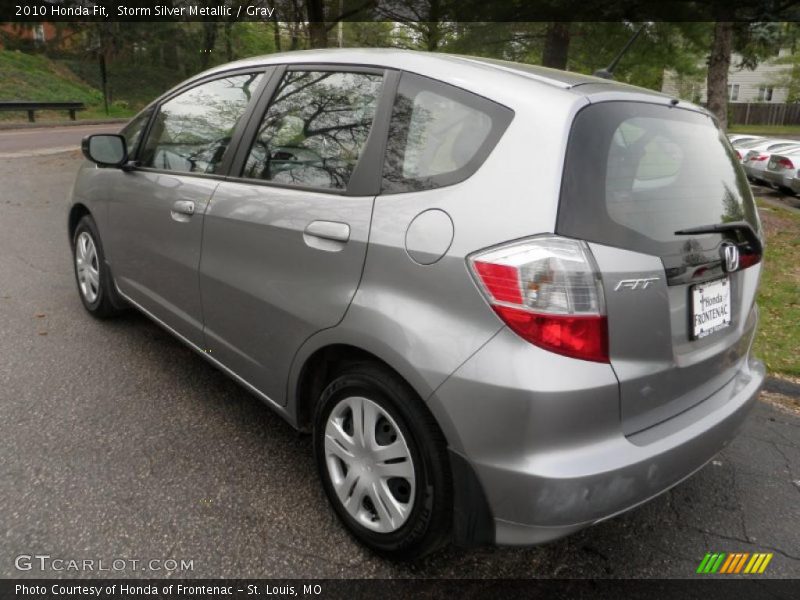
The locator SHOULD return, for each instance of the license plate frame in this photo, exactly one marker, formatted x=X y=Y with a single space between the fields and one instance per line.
x=711 y=308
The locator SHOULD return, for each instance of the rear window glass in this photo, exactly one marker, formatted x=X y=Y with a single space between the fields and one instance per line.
x=636 y=173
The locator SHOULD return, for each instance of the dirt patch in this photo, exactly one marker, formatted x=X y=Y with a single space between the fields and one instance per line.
x=784 y=403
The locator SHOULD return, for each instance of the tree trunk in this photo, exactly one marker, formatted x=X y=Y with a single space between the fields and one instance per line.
x=317 y=32
x=718 y=65
x=209 y=41
x=431 y=35
x=556 y=45
x=229 y=40
x=433 y=29
x=295 y=25
x=276 y=33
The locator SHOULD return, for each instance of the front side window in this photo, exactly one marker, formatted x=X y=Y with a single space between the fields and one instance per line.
x=315 y=129
x=191 y=131
x=438 y=135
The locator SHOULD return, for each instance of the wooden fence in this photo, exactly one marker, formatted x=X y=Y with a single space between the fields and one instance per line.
x=763 y=113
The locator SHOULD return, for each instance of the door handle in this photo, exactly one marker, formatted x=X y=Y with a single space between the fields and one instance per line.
x=183 y=207
x=328 y=230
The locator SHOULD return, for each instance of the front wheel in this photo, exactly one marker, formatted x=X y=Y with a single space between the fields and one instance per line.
x=383 y=463
x=91 y=272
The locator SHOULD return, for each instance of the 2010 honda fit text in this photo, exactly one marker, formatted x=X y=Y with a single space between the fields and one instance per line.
x=508 y=302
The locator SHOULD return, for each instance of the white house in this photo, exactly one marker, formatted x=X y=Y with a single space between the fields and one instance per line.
x=763 y=84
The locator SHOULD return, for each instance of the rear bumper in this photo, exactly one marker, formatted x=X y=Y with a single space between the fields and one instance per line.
x=553 y=461
x=779 y=179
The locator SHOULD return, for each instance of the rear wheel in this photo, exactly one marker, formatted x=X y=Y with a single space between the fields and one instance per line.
x=91 y=272
x=383 y=463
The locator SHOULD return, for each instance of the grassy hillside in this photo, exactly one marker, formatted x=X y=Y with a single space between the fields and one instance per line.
x=35 y=77
x=130 y=85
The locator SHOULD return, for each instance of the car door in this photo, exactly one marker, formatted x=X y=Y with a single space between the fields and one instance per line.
x=155 y=213
x=284 y=243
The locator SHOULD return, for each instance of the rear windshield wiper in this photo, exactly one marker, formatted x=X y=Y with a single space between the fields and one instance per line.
x=742 y=227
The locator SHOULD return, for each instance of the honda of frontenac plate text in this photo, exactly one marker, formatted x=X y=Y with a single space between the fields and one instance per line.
x=508 y=302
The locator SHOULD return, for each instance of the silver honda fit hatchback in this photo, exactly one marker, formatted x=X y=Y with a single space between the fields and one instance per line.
x=508 y=302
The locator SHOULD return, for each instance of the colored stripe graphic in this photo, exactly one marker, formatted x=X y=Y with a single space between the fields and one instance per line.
x=730 y=564
x=703 y=563
x=767 y=558
x=734 y=563
x=727 y=564
x=740 y=564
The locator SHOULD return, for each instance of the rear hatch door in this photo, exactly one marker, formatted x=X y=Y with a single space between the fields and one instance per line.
x=680 y=317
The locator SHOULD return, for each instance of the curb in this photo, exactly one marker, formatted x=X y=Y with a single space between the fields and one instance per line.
x=38 y=152
x=782 y=386
x=779 y=204
x=46 y=124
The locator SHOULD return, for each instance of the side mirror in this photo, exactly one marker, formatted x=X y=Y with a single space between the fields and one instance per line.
x=105 y=149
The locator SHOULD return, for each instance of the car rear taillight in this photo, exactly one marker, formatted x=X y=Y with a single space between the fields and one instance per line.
x=785 y=163
x=738 y=155
x=748 y=260
x=548 y=291
x=760 y=157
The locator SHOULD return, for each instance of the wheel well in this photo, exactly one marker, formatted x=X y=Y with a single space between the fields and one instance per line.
x=76 y=213
x=319 y=370
x=473 y=523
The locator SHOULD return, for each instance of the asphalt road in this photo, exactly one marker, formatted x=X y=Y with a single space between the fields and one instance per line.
x=48 y=140
x=116 y=442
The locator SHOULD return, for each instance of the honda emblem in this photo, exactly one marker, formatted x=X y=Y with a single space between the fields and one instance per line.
x=730 y=257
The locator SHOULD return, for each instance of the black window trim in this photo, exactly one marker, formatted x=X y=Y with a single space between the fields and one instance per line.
x=365 y=179
x=265 y=70
x=500 y=115
x=148 y=111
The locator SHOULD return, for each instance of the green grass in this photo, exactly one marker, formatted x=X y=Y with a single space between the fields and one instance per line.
x=778 y=341
x=768 y=130
x=35 y=77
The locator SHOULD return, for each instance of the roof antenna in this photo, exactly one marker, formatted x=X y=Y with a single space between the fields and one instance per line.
x=608 y=72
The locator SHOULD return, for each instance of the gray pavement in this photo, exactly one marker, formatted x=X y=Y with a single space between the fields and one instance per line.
x=48 y=140
x=116 y=442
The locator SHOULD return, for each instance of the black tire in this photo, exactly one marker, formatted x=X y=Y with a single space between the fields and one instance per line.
x=428 y=525
x=106 y=303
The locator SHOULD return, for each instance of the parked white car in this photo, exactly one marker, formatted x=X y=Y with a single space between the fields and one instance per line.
x=783 y=171
x=755 y=160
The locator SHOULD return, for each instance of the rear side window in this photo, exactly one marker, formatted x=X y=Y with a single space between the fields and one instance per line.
x=636 y=173
x=438 y=135
x=315 y=128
